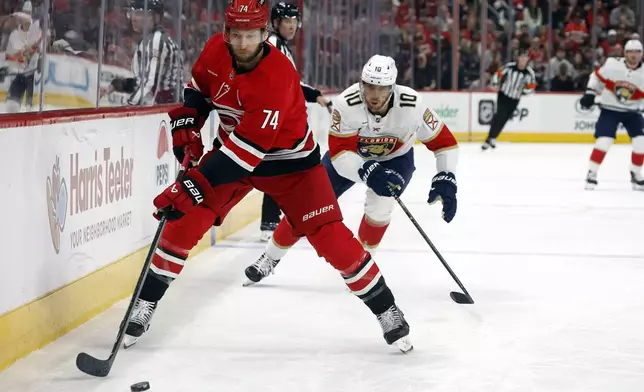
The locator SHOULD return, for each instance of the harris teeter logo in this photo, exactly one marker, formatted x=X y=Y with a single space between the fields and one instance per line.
x=90 y=185
x=57 y=197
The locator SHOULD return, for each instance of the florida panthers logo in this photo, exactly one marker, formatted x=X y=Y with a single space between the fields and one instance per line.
x=229 y=117
x=373 y=147
x=624 y=91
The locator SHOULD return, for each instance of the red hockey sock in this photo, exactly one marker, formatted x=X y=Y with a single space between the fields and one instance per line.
x=637 y=159
x=597 y=156
x=371 y=233
x=284 y=235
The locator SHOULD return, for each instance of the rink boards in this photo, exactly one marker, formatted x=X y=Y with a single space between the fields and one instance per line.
x=78 y=216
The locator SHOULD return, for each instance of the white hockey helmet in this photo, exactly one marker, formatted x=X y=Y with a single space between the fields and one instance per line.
x=633 y=45
x=380 y=71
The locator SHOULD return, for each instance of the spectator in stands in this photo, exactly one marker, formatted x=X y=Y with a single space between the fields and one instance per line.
x=554 y=65
x=562 y=80
x=532 y=17
x=622 y=15
x=583 y=67
x=576 y=31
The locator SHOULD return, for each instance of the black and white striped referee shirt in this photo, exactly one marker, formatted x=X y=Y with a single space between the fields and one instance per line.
x=515 y=82
x=158 y=66
x=311 y=94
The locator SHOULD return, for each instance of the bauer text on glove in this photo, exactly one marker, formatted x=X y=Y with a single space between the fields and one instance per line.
x=185 y=194
x=381 y=180
x=185 y=125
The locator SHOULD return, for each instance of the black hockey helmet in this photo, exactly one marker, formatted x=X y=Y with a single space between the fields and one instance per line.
x=155 y=6
x=285 y=10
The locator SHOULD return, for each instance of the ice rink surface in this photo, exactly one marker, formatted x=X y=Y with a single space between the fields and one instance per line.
x=557 y=274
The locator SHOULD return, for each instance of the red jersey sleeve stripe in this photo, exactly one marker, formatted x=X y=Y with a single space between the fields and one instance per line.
x=247 y=145
x=240 y=155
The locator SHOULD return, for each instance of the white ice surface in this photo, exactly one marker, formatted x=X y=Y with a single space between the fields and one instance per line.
x=557 y=274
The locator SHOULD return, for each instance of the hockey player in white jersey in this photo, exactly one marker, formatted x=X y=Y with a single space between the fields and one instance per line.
x=619 y=87
x=374 y=126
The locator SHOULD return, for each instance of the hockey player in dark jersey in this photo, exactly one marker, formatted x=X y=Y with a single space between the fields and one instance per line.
x=285 y=20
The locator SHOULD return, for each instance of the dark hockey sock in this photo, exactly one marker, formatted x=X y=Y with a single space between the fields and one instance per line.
x=368 y=284
x=154 y=287
x=270 y=210
x=380 y=298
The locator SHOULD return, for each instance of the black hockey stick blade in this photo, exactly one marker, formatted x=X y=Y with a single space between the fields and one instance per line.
x=93 y=366
x=461 y=298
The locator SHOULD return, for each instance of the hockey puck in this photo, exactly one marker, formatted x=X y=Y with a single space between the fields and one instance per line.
x=140 y=386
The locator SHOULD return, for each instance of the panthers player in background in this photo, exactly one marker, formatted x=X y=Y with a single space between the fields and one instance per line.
x=619 y=83
x=285 y=21
x=374 y=126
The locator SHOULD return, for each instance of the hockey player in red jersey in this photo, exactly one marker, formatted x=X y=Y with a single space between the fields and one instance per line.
x=263 y=142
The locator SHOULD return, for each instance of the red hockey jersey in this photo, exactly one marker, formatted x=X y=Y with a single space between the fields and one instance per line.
x=262 y=111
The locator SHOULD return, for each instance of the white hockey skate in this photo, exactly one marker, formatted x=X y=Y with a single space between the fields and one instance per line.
x=395 y=329
x=591 y=180
x=140 y=321
x=637 y=181
x=260 y=269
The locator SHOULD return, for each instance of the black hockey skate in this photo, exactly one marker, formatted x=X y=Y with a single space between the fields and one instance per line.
x=140 y=321
x=591 y=180
x=267 y=229
x=637 y=181
x=395 y=328
x=489 y=144
x=260 y=269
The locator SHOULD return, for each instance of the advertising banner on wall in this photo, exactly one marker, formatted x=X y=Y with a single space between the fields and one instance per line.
x=79 y=196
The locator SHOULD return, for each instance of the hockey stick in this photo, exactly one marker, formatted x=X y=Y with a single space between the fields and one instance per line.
x=459 y=298
x=99 y=367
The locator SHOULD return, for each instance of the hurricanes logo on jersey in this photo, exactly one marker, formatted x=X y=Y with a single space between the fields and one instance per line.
x=372 y=147
x=624 y=91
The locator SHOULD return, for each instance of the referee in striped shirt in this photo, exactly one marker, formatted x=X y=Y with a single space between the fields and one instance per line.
x=512 y=81
x=157 y=63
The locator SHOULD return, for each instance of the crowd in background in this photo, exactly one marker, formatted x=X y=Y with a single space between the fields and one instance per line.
x=340 y=35
x=583 y=34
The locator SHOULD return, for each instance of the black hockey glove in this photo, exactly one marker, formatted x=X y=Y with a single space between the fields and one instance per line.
x=444 y=189
x=381 y=179
x=587 y=101
x=124 y=85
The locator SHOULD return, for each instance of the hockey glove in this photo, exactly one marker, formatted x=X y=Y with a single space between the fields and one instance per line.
x=185 y=125
x=381 y=179
x=444 y=189
x=587 y=101
x=189 y=191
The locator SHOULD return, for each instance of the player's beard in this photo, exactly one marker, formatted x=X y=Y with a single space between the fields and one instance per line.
x=246 y=61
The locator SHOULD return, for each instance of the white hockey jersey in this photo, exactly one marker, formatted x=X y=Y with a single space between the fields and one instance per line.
x=357 y=135
x=617 y=86
x=23 y=49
